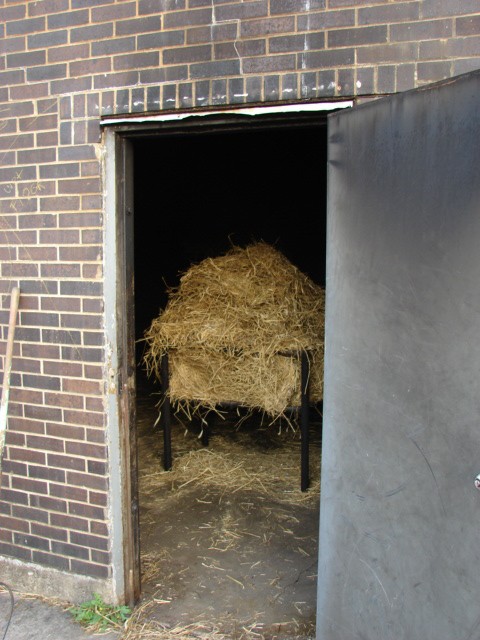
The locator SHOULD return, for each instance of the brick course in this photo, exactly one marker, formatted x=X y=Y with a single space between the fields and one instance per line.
x=63 y=65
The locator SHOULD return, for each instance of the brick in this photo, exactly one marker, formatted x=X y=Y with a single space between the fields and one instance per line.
x=89 y=569
x=12 y=13
x=85 y=418
x=84 y=185
x=282 y=44
x=405 y=76
x=326 y=20
x=86 y=510
x=40 y=382
x=81 y=288
x=68 y=19
x=63 y=203
x=387 y=53
x=245 y=48
x=37 y=221
x=32 y=542
x=137 y=26
x=98 y=499
x=61 y=430
x=61 y=304
x=82 y=386
x=76 y=478
x=115 y=12
x=59 y=236
x=13 y=173
x=465 y=66
x=47 y=40
x=216 y=69
x=95 y=32
x=193 y=17
x=90 y=67
x=13 y=467
x=101 y=557
x=69 y=522
x=31 y=366
x=267 y=26
x=44 y=443
x=81 y=321
x=468 y=26
x=92 y=306
x=16 y=552
x=434 y=8
x=48 y=72
x=156 y=6
x=244 y=10
x=433 y=71
x=69 y=493
x=66 y=462
x=36 y=412
x=60 y=336
x=72 y=85
x=45 y=531
x=295 y=6
x=27 y=455
x=44 y=7
x=121 y=79
x=90 y=3
x=27 y=484
x=160 y=39
x=12 y=77
x=386 y=14
x=89 y=541
x=14 y=524
x=40 y=351
x=187 y=54
x=24 y=27
x=116 y=45
x=16 y=498
x=212 y=33
x=39 y=319
x=37 y=155
x=421 y=30
x=26 y=59
x=358 y=36
x=17 y=142
x=48 y=503
x=386 y=79
x=67 y=401
x=47 y=139
x=70 y=550
x=50 y=560
x=46 y=473
x=67 y=53
x=269 y=63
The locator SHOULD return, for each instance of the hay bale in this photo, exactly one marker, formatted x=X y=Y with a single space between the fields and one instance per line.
x=232 y=329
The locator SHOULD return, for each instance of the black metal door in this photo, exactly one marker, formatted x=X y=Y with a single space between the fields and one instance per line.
x=399 y=553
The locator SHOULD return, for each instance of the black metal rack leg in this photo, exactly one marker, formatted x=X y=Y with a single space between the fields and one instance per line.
x=304 y=423
x=166 y=416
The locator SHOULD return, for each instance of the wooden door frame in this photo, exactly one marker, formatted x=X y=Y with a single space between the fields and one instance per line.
x=119 y=302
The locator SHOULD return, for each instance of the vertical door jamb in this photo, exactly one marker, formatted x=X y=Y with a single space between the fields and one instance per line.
x=126 y=368
x=120 y=367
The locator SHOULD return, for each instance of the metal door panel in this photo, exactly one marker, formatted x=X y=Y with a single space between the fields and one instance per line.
x=399 y=549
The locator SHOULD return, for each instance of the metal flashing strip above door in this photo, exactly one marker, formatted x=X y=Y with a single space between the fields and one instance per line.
x=266 y=110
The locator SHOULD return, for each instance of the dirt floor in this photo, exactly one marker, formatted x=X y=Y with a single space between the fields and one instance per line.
x=228 y=540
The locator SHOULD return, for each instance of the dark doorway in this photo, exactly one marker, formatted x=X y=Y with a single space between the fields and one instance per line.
x=197 y=193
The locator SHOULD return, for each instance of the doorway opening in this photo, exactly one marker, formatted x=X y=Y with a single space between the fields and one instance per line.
x=227 y=556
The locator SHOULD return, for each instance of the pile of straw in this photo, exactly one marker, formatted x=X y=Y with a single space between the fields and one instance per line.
x=234 y=329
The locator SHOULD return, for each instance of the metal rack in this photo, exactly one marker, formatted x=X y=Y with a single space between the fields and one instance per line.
x=303 y=409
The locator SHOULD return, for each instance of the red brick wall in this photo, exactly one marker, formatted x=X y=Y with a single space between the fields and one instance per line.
x=63 y=64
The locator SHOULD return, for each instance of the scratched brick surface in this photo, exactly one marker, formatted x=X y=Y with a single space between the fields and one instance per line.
x=63 y=65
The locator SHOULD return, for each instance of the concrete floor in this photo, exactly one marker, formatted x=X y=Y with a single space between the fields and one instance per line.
x=243 y=561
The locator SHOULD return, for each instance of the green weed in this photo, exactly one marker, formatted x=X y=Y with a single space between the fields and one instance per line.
x=98 y=616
